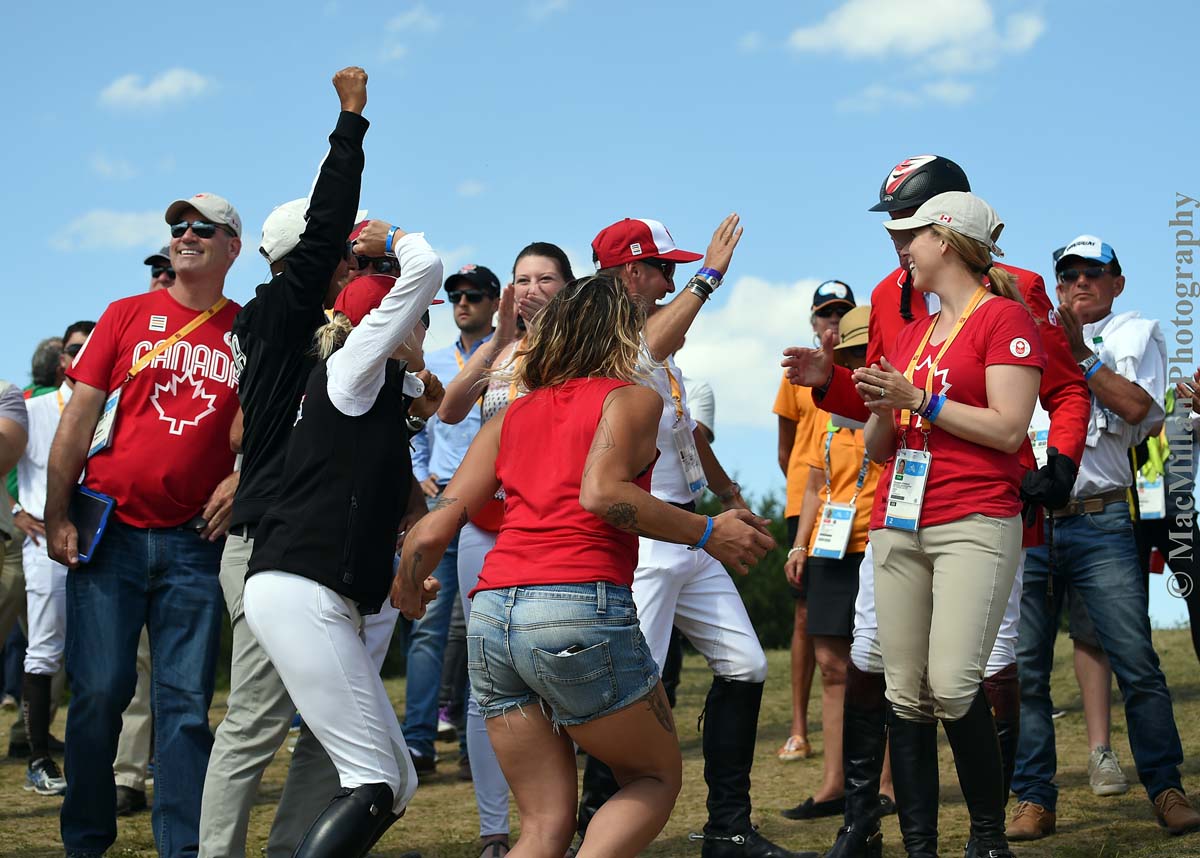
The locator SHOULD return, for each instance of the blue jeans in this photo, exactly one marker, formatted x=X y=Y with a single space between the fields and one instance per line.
x=1096 y=554
x=167 y=581
x=426 y=649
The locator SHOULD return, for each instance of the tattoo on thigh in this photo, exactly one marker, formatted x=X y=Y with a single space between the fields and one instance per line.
x=661 y=710
x=622 y=516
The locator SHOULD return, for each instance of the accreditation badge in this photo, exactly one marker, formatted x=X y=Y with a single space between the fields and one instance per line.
x=1152 y=498
x=907 y=490
x=685 y=443
x=1040 y=439
x=833 y=531
x=102 y=437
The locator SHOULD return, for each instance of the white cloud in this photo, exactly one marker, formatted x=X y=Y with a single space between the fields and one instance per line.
x=173 y=85
x=418 y=19
x=883 y=97
x=106 y=168
x=102 y=229
x=539 y=10
x=395 y=52
x=750 y=43
x=737 y=347
x=470 y=188
x=947 y=36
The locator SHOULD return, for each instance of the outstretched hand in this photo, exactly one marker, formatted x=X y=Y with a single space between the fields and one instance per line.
x=810 y=367
x=724 y=240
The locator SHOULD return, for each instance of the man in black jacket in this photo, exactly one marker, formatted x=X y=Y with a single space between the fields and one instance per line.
x=305 y=243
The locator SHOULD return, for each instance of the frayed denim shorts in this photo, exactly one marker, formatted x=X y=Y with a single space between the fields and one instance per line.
x=576 y=647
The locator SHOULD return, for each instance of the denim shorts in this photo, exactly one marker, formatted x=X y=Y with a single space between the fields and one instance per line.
x=577 y=647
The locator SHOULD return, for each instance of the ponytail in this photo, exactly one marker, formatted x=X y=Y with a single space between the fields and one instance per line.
x=332 y=335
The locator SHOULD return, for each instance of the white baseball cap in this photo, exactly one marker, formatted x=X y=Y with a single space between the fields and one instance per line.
x=959 y=211
x=283 y=227
x=216 y=209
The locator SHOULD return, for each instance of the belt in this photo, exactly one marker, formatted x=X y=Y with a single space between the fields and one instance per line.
x=1096 y=503
x=690 y=506
x=246 y=531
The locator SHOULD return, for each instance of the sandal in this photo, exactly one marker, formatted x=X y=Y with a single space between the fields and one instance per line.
x=795 y=748
x=495 y=848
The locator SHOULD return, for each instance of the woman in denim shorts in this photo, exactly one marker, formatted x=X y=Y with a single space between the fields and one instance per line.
x=554 y=650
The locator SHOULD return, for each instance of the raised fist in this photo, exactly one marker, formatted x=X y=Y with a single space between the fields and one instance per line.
x=351 y=86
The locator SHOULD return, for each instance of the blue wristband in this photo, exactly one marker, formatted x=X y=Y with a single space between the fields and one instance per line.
x=387 y=248
x=1095 y=368
x=711 y=272
x=936 y=408
x=703 y=539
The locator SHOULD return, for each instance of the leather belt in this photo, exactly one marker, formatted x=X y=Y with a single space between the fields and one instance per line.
x=690 y=506
x=246 y=531
x=1093 y=504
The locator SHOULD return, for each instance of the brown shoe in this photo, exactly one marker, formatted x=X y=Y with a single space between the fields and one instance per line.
x=1175 y=813
x=1030 y=822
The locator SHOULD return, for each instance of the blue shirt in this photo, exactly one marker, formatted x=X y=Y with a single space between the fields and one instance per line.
x=439 y=448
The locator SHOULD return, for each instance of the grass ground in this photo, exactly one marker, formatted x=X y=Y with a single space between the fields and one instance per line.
x=441 y=820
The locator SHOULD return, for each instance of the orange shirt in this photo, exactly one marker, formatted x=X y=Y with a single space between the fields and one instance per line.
x=795 y=403
x=846 y=457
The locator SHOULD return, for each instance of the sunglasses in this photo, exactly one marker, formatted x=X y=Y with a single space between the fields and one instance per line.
x=830 y=312
x=159 y=270
x=1092 y=272
x=73 y=349
x=666 y=266
x=473 y=296
x=201 y=228
x=382 y=264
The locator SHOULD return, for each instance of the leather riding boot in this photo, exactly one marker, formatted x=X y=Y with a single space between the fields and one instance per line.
x=915 y=774
x=864 y=742
x=981 y=776
x=350 y=824
x=1003 y=691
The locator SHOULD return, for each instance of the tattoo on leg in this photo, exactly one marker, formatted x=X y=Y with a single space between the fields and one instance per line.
x=661 y=710
x=622 y=516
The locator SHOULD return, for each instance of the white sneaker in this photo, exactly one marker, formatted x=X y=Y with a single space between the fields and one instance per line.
x=44 y=778
x=1104 y=772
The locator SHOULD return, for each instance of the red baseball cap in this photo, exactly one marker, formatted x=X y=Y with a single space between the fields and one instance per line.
x=635 y=239
x=364 y=294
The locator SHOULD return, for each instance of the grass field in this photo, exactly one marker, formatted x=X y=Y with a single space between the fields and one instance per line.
x=441 y=820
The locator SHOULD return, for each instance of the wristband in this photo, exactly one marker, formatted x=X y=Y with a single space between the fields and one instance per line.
x=703 y=539
x=935 y=407
x=699 y=288
x=1092 y=370
x=798 y=548
x=711 y=273
x=924 y=400
x=391 y=236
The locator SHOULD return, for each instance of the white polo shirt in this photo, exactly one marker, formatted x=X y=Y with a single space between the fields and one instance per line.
x=44 y=413
x=668 y=482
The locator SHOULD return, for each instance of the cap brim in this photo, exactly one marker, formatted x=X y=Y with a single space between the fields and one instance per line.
x=894 y=205
x=436 y=301
x=826 y=303
x=454 y=279
x=149 y=260
x=678 y=255
x=174 y=210
x=861 y=343
x=905 y=224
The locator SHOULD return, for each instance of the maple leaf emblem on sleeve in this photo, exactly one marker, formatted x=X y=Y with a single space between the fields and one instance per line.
x=182 y=402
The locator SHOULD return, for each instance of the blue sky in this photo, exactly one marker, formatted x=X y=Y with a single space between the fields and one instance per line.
x=495 y=124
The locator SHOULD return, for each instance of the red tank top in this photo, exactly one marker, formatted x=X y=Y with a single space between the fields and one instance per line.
x=547 y=537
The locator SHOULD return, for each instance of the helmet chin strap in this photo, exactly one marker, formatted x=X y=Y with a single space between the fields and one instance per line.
x=906 y=297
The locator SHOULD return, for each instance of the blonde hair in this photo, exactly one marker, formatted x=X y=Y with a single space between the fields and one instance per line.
x=978 y=258
x=331 y=336
x=590 y=328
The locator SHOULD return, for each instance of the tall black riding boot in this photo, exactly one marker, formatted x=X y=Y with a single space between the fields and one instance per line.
x=599 y=785
x=731 y=724
x=915 y=774
x=981 y=776
x=864 y=742
x=1003 y=691
x=350 y=825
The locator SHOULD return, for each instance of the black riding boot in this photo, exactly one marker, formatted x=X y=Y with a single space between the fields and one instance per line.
x=915 y=774
x=981 y=776
x=599 y=785
x=731 y=723
x=1003 y=692
x=864 y=742
x=350 y=825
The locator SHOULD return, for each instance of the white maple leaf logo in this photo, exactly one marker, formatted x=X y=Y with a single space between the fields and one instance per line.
x=941 y=373
x=187 y=399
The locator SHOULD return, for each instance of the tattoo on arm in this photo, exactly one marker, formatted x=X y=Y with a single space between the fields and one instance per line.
x=601 y=444
x=442 y=503
x=622 y=516
x=414 y=570
x=662 y=711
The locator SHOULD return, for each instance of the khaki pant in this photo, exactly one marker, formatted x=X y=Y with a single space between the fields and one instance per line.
x=940 y=595
x=137 y=727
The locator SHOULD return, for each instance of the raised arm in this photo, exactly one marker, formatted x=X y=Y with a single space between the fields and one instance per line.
x=464 y=390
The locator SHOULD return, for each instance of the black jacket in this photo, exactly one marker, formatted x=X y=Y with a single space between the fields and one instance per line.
x=273 y=333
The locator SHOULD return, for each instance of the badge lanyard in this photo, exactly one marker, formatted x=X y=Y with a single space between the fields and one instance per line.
x=61 y=404
x=910 y=469
x=685 y=441
x=837 y=519
x=462 y=365
x=103 y=435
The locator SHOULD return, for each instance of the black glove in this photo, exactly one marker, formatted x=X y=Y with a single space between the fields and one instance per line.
x=1049 y=486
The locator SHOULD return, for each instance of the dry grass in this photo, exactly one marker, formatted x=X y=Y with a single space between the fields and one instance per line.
x=441 y=820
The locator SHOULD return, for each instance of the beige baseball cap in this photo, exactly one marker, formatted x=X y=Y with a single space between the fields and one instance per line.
x=284 y=226
x=216 y=209
x=959 y=211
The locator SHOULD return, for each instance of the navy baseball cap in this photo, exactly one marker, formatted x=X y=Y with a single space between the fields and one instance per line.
x=831 y=293
x=475 y=275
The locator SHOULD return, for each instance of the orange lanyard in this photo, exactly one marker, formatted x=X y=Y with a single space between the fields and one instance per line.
x=61 y=404
x=461 y=365
x=906 y=415
x=676 y=394
x=149 y=356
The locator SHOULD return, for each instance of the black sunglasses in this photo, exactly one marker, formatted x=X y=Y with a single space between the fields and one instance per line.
x=73 y=349
x=201 y=228
x=159 y=270
x=666 y=266
x=1092 y=272
x=472 y=295
x=830 y=312
x=382 y=264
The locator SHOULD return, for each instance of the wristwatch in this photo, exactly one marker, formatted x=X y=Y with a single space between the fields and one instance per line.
x=17 y=508
x=729 y=494
x=415 y=424
x=1088 y=362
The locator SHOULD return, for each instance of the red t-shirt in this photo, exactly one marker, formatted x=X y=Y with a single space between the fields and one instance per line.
x=547 y=537
x=170 y=446
x=964 y=477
